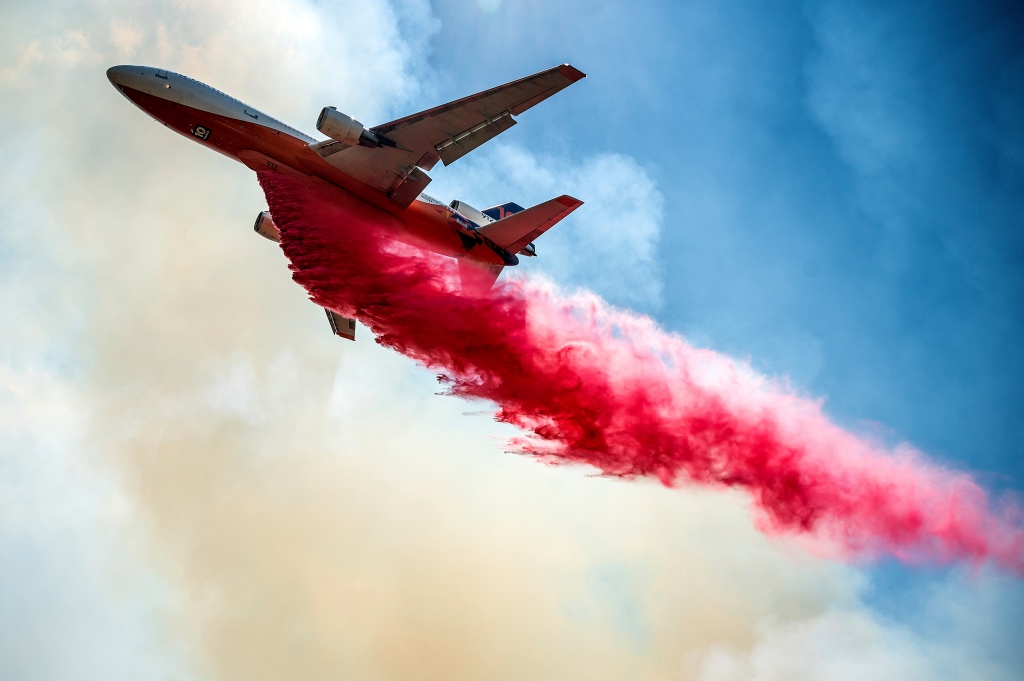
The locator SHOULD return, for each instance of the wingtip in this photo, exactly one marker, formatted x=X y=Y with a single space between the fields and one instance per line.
x=569 y=201
x=571 y=72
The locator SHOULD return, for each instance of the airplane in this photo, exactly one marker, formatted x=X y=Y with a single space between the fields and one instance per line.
x=383 y=166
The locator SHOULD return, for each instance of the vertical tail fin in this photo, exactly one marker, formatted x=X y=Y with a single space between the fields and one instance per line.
x=503 y=211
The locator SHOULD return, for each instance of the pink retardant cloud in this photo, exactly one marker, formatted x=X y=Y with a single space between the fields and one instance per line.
x=593 y=385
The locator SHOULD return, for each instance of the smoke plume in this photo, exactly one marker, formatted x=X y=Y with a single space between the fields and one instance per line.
x=592 y=385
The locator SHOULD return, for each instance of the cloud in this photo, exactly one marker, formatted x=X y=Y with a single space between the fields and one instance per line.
x=76 y=600
x=838 y=646
x=609 y=245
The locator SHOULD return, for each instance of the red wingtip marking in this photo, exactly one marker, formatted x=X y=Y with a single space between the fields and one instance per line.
x=571 y=72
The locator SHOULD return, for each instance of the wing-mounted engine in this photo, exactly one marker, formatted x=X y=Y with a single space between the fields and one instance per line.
x=266 y=228
x=345 y=132
x=340 y=326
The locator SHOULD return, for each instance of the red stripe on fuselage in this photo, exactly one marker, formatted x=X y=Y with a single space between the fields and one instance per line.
x=424 y=225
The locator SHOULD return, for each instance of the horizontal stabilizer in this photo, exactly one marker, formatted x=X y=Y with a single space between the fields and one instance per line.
x=514 y=232
x=341 y=326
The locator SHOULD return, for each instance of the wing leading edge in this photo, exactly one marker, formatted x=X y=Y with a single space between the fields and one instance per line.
x=445 y=133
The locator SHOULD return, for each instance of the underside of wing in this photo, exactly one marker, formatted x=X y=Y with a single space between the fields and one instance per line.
x=341 y=326
x=451 y=130
x=444 y=133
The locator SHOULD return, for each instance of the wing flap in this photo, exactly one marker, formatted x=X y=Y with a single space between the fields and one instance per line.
x=514 y=232
x=463 y=143
x=407 y=189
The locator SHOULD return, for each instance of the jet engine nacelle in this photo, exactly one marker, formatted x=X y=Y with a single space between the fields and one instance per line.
x=266 y=228
x=340 y=127
x=348 y=131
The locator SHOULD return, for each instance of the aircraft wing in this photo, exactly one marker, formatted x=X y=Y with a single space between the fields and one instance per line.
x=341 y=326
x=445 y=133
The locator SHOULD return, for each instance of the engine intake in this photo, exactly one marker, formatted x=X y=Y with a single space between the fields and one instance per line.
x=266 y=228
x=347 y=130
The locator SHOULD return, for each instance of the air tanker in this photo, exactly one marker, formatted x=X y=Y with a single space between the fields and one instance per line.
x=384 y=166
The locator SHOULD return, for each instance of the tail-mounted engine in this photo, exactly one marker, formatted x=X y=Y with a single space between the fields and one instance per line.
x=348 y=131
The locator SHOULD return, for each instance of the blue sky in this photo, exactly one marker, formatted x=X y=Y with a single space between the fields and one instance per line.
x=842 y=185
x=832 y=191
x=843 y=190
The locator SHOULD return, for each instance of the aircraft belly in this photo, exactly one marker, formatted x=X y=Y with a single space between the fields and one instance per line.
x=425 y=227
x=220 y=133
x=256 y=146
x=483 y=255
x=230 y=136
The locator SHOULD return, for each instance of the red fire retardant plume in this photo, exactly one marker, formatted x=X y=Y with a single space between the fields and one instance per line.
x=593 y=385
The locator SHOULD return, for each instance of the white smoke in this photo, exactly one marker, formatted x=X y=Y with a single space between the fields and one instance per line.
x=196 y=479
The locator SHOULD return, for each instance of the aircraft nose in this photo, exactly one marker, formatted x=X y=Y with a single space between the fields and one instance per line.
x=130 y=77
x=116 y=74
